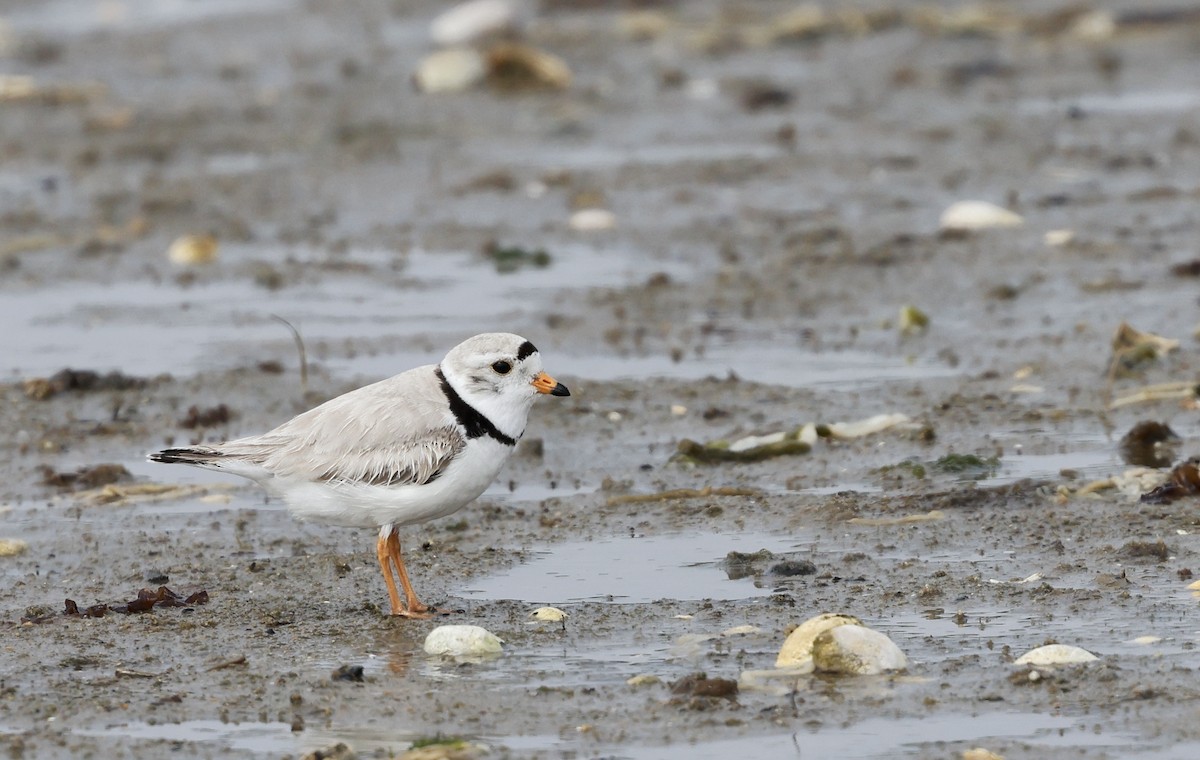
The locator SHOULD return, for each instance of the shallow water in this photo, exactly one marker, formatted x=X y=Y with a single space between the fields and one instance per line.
x=634 y=570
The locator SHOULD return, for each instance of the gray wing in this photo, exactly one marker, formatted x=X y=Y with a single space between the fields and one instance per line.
x=398 y=431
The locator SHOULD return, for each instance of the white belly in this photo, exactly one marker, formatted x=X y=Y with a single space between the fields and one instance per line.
x=366 y=506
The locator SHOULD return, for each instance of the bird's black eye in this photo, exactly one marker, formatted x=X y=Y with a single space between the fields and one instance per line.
x=502 y=367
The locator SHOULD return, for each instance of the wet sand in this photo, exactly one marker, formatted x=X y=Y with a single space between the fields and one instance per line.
x=776 y=205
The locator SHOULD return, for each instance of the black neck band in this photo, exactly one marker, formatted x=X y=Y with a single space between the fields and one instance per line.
x=469 y=417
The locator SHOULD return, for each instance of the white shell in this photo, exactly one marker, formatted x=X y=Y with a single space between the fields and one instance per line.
x=592 y=220
x=462 y=641
x=797 y=648
x=471 y=20
x=965 y=216
x=1056 y=654
x=450 y=70
x=855 y=650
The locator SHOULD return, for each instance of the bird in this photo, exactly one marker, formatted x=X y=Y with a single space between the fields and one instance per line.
x=414 y=447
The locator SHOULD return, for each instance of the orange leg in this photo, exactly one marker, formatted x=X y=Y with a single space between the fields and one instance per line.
x=415 y=608
x=381 y=551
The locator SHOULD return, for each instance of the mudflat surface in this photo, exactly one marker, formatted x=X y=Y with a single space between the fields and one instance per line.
x=776 y=203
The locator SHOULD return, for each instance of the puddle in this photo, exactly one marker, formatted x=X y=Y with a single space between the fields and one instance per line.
x=633 y=570
x=887 y=738
x=83 y=16
x=763 y=362
x=1091 y=464
x=1024 y=632
x=259 y=738
x=1137 y=101
x=872 y=738
x=146 y=328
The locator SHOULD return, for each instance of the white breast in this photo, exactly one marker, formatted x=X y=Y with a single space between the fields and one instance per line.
x=368 y=506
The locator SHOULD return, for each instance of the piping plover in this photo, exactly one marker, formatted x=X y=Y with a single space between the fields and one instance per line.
x=417 y=446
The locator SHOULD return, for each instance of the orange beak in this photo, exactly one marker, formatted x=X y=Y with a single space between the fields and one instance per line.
x=546 y=384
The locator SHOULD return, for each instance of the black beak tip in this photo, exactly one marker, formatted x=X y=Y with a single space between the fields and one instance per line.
x=560 y=390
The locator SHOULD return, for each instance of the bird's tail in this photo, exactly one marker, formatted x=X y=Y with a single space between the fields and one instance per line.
x=196 y=456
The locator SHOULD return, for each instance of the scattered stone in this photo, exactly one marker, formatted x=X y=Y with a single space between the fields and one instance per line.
x=549 y=615
x=1145 y=641
x=205 y=418
x=855 y=650
x=513 y=66
x=1133 y=348
x=450 y=70
x=972 y=216
x=1059 y=238
x=592 y=220
x=1184 y=480
x=12 y=547
x=1055 y=654
x=700 y=685
x=462 y=641
x=339 y=751
x=510 y=258
x=80 y=381
x=791 y=568
x=94 y=476
x=193 y=250
x=1155 y=550
x=797 y=648
x=1149 y=444
x=979 y=753
x=352 y=673
x=644 y=679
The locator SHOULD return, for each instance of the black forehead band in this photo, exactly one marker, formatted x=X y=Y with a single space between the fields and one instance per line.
x=526 y=350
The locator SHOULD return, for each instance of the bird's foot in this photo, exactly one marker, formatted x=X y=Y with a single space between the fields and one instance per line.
x=423 y=612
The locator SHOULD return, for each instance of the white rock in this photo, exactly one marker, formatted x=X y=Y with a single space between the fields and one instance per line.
x=462 y=641
x=644 y=679
x=11 y=547
x=966 y=216
x=1056 y=654
x=548 y=615
x=1058 y=238
x=471 y=20
x=678 y=410
x=592 y=220
x=741 y=630
x=193 y=250
x=855 y=650
x=1145 y=641
x=1094 y=26
x=979 y=753
x=450 y=70
x=797 y=648
x=876 y=424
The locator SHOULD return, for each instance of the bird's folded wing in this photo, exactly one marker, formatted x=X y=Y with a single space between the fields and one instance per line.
x=395 y=432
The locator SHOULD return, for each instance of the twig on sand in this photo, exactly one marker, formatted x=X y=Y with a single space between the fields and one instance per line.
x=299 y=349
